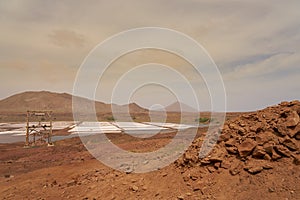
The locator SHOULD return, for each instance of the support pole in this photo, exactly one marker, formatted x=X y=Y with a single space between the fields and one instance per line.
x=34 y=138
x=27 y=130
x=50 y=132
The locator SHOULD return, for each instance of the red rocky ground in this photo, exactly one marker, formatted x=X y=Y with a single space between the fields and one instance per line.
x=256 y=157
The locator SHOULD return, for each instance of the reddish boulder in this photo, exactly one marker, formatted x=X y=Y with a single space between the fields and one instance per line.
x=246 y=147
x=259 y=152
x=292 y=119
x=290 y=143
x=294 y=131
x=282 y=150
x=265 y=137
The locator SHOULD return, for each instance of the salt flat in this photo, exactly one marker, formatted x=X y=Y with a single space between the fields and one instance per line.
x=147 y=129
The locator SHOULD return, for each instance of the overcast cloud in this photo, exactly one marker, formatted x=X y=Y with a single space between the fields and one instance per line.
x=255 y=44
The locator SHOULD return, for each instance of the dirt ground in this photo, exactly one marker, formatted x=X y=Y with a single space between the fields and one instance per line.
x=68 y=171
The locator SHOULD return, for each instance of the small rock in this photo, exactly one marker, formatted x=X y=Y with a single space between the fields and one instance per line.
x=186 y=178
x=294 y=131
x=241 y=131
x=294 y=102
x=225 y=164
x=53 y=183
x=265 y=137
x=71 y=183
x=255 y=170
x=205 y=161
x=284 y=103
x=217 y=165
x=296 y=160
x=282 y=129
x=146 y=162
x=282 y=150
x=258 y=152
x=180 y=197
x=297 y=136
x=271 y=189
x=242 y=124
x=256 y=128
x=292 y=119
x=211 y=169
x=144 y=188
x=231 y=142
x=194 y=178
x=128 y=170
x=267 y=157
x=267 y=166
x=232 y=150
x=215 y=159
x=275 y=156
x=189 y=157
x=246 y=147
x=234 y=170
x=164 y=174
x=224 y=136
x=233 y=126
x=134 y=188
x=7 y=176
x=268 y=147
x=290 y=143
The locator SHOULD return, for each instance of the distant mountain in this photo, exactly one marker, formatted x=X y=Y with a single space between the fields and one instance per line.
x=57 y=102
x=178 y=107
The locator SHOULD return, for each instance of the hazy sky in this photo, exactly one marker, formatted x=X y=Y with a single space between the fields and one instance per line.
x=255 y=44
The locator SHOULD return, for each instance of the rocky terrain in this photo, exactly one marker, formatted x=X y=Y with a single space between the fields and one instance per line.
x=255 y=157
x=251 y=141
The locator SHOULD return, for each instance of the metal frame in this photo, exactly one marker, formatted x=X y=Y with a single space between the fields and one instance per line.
x=44 y=122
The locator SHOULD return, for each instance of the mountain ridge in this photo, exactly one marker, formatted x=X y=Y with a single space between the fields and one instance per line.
x=179 y=107
x=57 y=102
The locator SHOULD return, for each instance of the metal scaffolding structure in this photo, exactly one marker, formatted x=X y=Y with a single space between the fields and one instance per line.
x=38 y=127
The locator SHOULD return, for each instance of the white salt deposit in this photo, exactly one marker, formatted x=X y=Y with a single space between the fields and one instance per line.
x=137 y=126
x=95 y=127
x=12 y=132
x=87 y=128
x=171 y=125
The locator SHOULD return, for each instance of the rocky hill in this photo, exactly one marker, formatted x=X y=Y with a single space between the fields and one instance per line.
x=178 y=107
x=57 y=102
x=13 y=108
